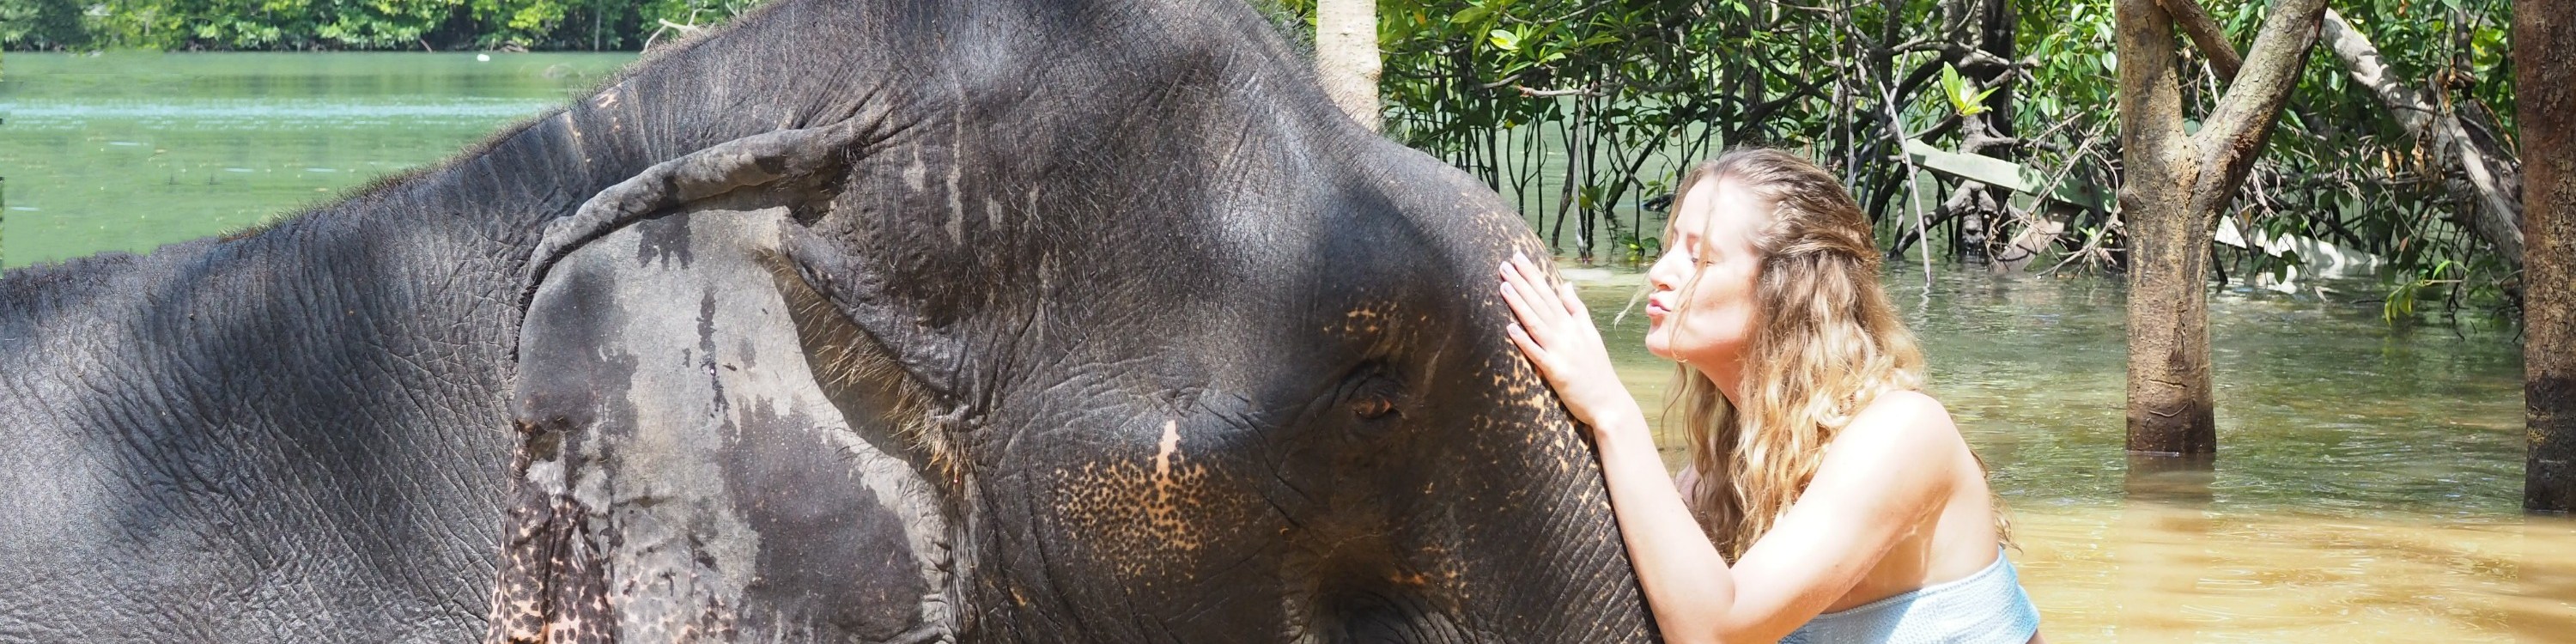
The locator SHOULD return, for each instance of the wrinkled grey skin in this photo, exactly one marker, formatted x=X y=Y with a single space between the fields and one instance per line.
x=1087 y=321
x=695 y=445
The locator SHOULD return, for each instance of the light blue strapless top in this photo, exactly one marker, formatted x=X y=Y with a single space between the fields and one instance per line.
x=1988 y=607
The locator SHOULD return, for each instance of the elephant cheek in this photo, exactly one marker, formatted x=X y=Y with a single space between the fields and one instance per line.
x=1524 y=524
x=1147 y=520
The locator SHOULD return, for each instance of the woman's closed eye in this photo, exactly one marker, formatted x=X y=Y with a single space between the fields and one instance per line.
x=1691 y=250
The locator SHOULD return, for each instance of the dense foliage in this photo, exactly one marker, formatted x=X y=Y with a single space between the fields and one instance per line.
x=1584 y=108
x=350 y=24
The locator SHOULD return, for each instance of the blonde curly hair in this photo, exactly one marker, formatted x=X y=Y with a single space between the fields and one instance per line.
x=1828 y=343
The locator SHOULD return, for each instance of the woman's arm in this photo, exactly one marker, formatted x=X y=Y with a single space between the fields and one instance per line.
x=1686 y=580
x=1868 y=494
x=1885 y=475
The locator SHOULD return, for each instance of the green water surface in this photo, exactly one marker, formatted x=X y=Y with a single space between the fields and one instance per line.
x=128 y=151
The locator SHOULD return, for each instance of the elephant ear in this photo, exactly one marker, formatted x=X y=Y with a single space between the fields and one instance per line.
x=683 y=474
x=932 y=356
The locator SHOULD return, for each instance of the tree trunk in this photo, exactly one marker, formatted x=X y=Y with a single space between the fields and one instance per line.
x=2002 y=27
x=2487 y=176
x=2544 y=35
x=1346 y=57
x=2480 y=173
x=2175 y=188
x=1981 y=208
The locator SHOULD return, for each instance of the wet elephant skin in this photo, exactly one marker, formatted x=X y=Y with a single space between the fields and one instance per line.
x=1094 y=323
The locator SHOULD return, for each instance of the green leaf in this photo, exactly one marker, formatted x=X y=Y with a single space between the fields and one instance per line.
x=2400 y=304
x=1504 y=40
x=1955 y=88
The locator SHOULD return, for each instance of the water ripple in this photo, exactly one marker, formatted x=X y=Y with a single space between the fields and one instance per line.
x=370 y=112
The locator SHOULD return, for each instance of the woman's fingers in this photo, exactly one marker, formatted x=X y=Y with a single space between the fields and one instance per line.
x=1523 y=298
x=1523 y=282
x=1521 y=338
x=1530 y=348
x=1521 y=309
x=1551 y=314
x=1557 y=296
x=1544 y=295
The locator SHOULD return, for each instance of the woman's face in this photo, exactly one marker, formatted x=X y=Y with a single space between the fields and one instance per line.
x=1708 y=325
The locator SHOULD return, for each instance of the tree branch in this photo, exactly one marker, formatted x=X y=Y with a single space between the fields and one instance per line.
x=2486 y=175
x=1551 y=93
x=2235 y=131
x=2206 y=35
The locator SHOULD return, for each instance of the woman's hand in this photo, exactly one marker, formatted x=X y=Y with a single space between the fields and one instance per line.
x=1557 y=334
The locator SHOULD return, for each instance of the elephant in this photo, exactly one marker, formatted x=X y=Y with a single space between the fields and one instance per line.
x=856 y=320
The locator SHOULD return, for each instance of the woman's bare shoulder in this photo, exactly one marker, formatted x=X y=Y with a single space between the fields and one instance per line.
x=1904 y=424
x=1888 y=460
x=1905 y=410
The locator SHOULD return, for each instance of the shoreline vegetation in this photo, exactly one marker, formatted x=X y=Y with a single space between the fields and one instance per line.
x=355 y=25
x=1584 y=112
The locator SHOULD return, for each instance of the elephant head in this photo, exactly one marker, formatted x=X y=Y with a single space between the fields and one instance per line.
x=1081 y=321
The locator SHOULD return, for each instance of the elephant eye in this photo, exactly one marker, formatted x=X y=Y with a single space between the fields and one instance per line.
x=1372 y=407
x=1372 y=391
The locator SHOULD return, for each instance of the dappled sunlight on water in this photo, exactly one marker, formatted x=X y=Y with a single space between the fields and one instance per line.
x=2366 y=487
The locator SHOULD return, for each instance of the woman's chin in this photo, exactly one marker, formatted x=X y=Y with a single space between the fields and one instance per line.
x=1658 y=348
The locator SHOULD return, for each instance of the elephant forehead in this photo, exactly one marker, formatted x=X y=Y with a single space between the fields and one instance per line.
x=1145 y=515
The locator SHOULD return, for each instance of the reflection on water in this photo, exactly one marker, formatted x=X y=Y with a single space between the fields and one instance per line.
x=133 y=150
x=2366 y=487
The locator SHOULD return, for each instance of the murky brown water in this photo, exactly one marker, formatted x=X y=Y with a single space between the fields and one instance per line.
x=2365 y=490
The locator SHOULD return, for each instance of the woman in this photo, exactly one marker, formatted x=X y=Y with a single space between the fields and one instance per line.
x=1826 y=499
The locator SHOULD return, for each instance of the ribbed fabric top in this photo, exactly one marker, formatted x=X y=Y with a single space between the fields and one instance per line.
x=1988 y=607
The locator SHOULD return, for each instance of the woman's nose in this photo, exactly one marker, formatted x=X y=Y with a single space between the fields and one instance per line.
x=1663 y=274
